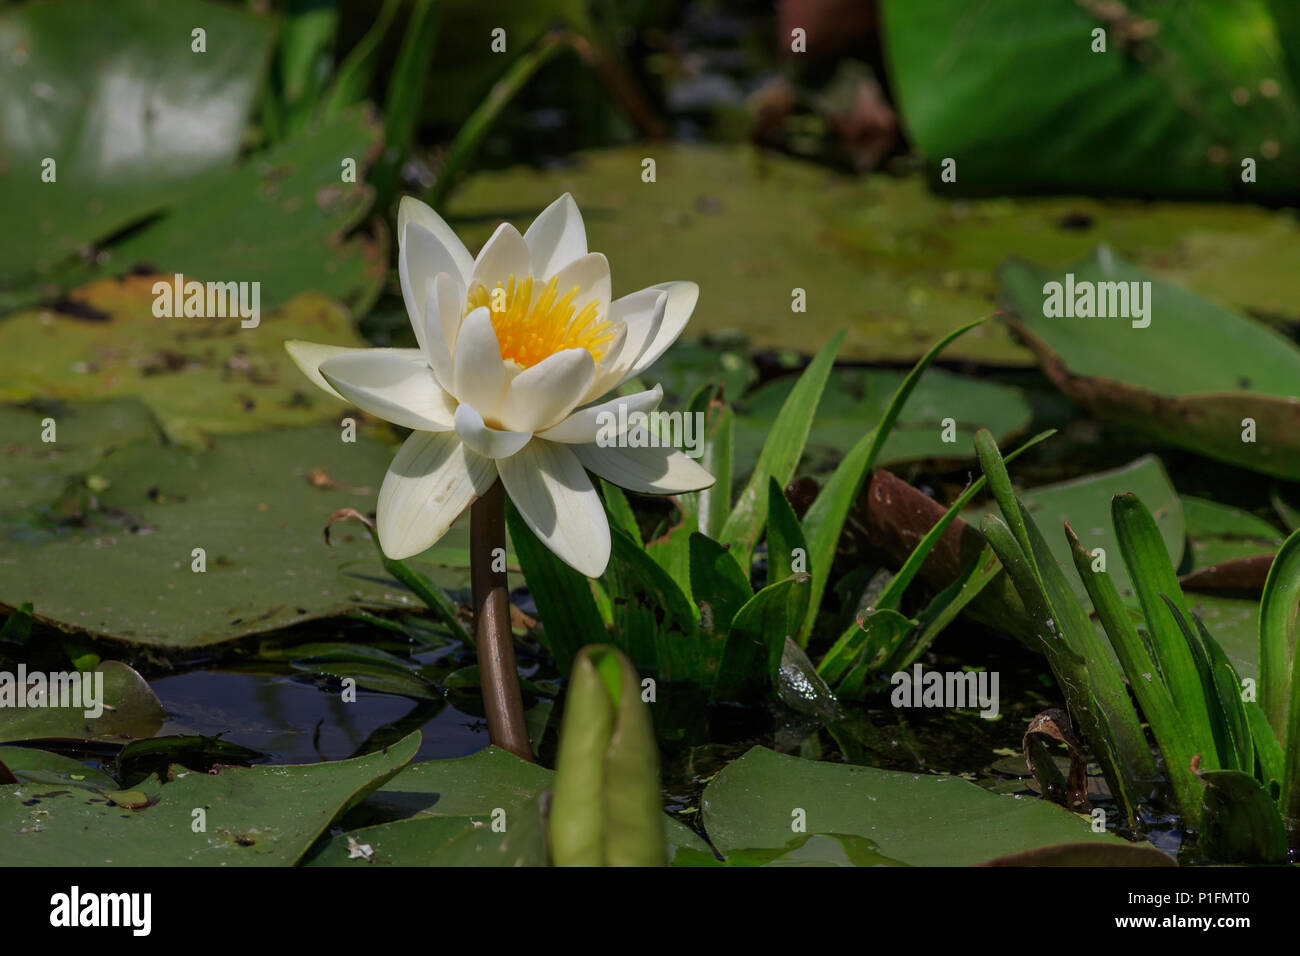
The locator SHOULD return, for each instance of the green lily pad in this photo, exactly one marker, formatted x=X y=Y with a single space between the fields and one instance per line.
x=933 y=259
x=1218 y=532
x=131 y=115
x=915 y=819
x=856 y=399
x=896 y=263
x=200 y=377
x=268 y=816
x=255 y=504
x=32 y=766
x=750 y=229
x=470 y=786
x=279 y=219
x=1192 y=377
x=1150 y=113
x=461 y=794
x=515 y=838
x=812 y=849
x=36 y=472
x=130 y=711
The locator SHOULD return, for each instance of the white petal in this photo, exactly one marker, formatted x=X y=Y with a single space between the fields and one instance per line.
x=590 y=273
x=479 y=375
x=583 y=426
x=397 y=388
x=556 y=237
x=557 y=501
x=543 y=395
x=420 y=257
x=450 y=293
x=435 y=343
x=488 y=442
x=431 y=481
x=641 y=314
x=411 y=209
x=308 y=356
x=504 y=255
x=651 y=471
x=442 y=316
x=682 y=297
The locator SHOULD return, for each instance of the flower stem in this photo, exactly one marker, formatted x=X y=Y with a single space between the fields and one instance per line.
x=496 y=648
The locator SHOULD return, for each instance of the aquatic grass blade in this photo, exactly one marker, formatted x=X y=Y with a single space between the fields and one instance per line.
x=756 y=641
x=1279 y=625
x=780 y=455
x=1152 y=575
x=825 y=518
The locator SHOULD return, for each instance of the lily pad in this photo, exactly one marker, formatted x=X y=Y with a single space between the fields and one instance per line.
x=280 y=220
x=419 y=814
x=1218 y=532
x=130 y=711
x=856 y=399
x=470 y=786
x=129 y=113
x=32 y=766
x=255 y=504
x=268 y=816
x=896 y=263
x=1152 y=112
x=504 y=838
x=750 y=228
x=812 y=849
x=199 y=376
x=37 y=472
x=915 y=819
x=1193 y=377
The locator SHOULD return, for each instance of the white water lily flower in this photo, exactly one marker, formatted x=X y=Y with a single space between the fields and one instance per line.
x=515 y=347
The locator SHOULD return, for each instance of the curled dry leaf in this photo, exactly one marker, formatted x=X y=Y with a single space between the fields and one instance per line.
x=1073 y=791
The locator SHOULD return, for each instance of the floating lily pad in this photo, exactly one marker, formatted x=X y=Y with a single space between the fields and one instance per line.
x=461 y=794
x=856 y=399
x=32 y=766
x=750 y=228
x=266 y=816
x=461 y=787
x=1193 y=377
x=813 y=849
x=130 y=114
x=916 y=819
x=255 y=504
x=501 y=838
x=926 y=253
x=280 y=219
x=1218 y=532
x=36 y=472
x=894 y=262
x=1150 y=113
x=199 y=376
x=130 y=711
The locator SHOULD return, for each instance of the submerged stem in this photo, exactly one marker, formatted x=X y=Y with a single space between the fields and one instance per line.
x=496 y=648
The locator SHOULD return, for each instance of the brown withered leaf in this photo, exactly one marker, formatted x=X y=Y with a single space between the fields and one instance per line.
x=1072 y=792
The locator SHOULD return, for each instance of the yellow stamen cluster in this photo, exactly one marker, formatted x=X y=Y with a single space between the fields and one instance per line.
x=530 y=329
